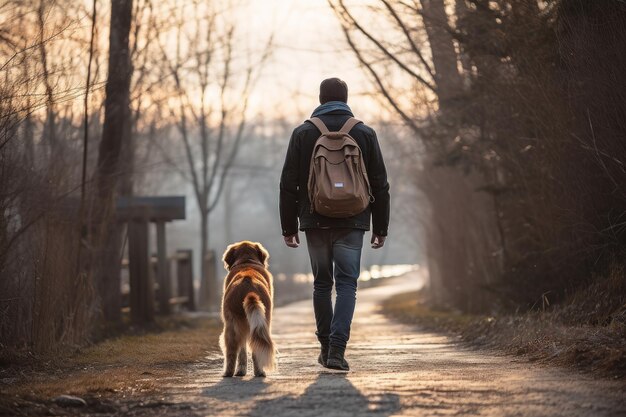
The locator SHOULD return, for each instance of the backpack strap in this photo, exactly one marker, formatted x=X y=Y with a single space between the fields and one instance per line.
x=319 y=125
x=345 y=130
x=348 y=125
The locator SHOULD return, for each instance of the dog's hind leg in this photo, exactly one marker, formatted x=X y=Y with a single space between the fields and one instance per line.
x=243 y=331
x=258 y=370
x=231 y=343
x=242 y=360
x=261 y=344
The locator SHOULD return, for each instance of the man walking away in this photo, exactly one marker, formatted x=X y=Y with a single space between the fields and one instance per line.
x=334 y=241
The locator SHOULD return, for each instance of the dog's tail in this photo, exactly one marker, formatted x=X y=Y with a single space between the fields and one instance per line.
x=260 y=339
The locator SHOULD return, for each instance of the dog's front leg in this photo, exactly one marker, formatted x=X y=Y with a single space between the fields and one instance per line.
x=242 y=361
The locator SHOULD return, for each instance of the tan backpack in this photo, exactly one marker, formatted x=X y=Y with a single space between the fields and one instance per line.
x=338 y=184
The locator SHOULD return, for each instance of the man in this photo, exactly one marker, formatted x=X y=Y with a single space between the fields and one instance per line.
x=332 y=242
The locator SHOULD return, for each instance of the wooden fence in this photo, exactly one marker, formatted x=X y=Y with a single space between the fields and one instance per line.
x=148 y=296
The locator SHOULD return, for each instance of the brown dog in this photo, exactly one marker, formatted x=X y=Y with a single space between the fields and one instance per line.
x=247 y=310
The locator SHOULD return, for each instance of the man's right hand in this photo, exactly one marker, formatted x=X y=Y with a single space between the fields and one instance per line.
x=378 y=241
x=293 y=241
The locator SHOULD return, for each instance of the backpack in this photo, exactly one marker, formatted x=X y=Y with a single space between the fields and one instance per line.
x=338 y=184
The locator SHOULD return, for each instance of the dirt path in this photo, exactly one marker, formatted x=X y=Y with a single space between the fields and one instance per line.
x=397 y=370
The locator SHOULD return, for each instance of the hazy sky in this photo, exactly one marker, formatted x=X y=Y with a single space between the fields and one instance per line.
x=309 y=47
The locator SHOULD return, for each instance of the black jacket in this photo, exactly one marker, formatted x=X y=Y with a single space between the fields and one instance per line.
x=294 y=199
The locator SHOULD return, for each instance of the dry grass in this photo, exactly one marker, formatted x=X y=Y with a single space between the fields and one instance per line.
x=539 y=336
x=127 y=365
x=411 y=307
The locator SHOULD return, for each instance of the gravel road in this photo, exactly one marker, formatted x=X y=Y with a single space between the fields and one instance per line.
x=397 y=370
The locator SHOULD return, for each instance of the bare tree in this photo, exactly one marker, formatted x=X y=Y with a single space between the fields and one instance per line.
x=211 y=88
x=88 y=86
x=141 y=34
x=45 y=303
x=426 y=59
x=50 y=130
x=116 y=117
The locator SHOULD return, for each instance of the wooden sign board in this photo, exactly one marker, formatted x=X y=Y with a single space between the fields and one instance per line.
x=154 y=209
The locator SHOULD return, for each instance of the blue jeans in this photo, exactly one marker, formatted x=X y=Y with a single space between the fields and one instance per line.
x=340 y=248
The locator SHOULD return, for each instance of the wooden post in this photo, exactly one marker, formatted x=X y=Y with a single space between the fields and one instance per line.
x=137 y=211
x=184 y=272
x=163 y=271
x=141 y=281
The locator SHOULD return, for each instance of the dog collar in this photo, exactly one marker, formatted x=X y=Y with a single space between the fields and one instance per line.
x=247 y=261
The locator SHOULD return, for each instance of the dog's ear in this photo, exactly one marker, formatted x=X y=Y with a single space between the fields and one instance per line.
x=230 y=256
x=262 y=253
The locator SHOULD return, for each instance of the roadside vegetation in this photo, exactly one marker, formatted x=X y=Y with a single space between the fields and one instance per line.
x=513 y=110
x=586 y=332
x=126 y=371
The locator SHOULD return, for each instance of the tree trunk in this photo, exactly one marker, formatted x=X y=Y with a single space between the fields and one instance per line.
x=461 y=14
x=228 y=213
x=457 y=238
x=447 y=77
x=117 y=112
x=114 y=246
x=29 y=142
x=49 y=132
x=204 y=246
x=208 y=282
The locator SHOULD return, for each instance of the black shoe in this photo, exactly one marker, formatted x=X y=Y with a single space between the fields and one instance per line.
x=336 y=359
x=323 y=357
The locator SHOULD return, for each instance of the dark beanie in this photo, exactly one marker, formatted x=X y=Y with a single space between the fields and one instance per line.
x=333 y=89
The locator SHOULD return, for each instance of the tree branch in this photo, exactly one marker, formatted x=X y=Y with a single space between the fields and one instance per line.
x=407 y=34
x=408 y=120
x=348 y=18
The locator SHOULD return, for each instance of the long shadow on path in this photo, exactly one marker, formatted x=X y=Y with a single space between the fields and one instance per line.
x=236 y=389
x=332 y=394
